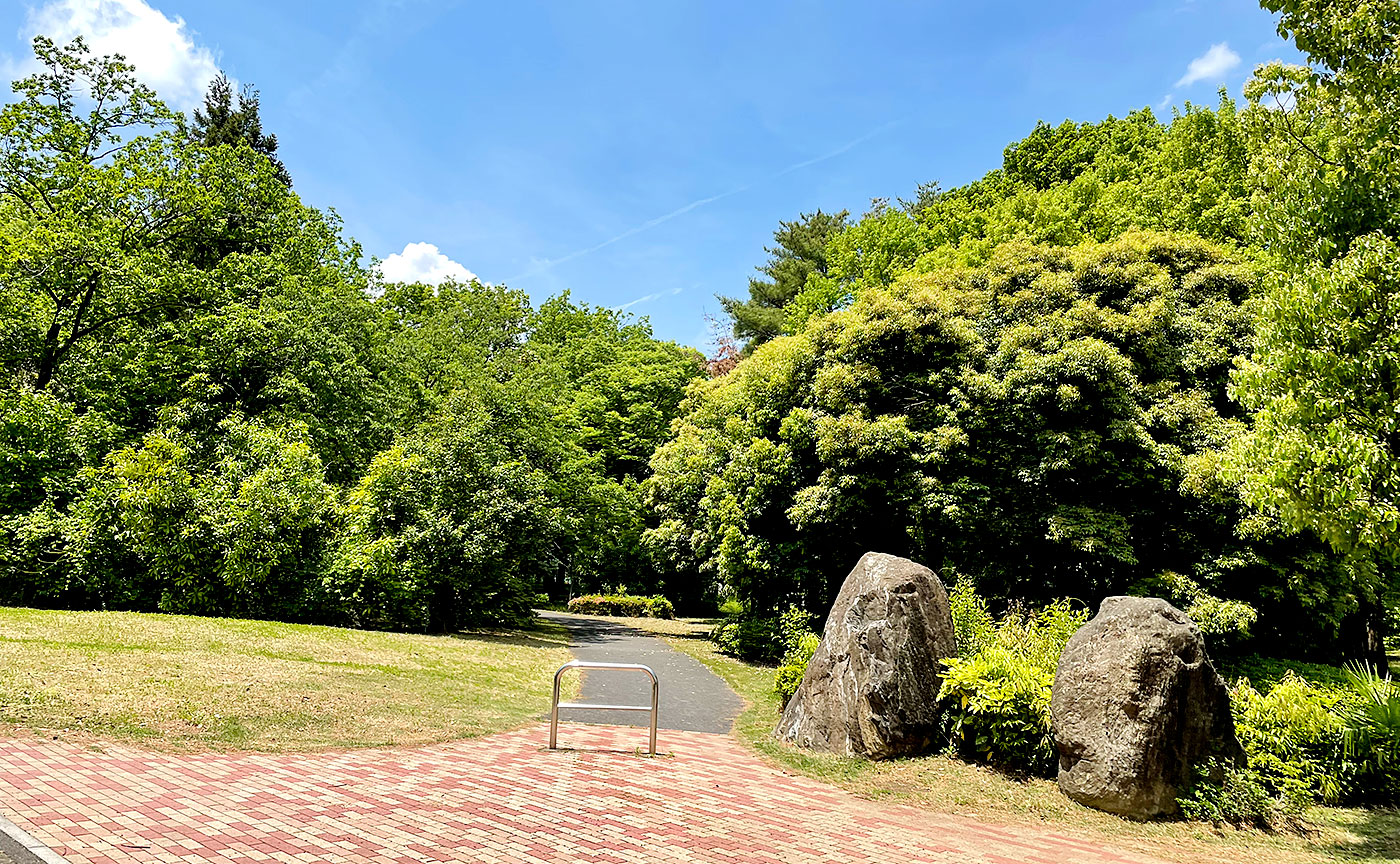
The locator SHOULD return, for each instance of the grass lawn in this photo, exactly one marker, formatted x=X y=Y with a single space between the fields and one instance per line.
x=181 y=683
x=951 y=786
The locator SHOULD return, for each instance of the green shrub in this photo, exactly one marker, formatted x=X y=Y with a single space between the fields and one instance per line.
x=973 y=624
x=794 y=625
x=757 y=640
x=623 y=605
x=999 y=709
x=762 y=640
x=794 y=666
x=1372 y=737
x=1333 y=739
x=1234 y=795
x=997 y=691
x=1293 y=734
x=799 y=643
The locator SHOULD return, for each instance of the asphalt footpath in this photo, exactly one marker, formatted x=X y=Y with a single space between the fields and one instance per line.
x=693 y=699
x=17 y=847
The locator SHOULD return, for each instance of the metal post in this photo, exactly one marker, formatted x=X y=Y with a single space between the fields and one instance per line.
x=655 y=707
x=554 y=712
x=555 y=704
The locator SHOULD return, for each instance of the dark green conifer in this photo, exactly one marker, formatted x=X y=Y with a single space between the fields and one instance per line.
x=800 y=252
x=221 y=122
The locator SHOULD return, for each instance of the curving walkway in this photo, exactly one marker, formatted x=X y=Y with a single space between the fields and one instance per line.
x=693 y=698
x=503 y=798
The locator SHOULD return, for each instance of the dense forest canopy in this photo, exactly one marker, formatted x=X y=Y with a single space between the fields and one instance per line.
x=1145 y=355
x=1001 y=379
x=211 y=406
x=1052 y=422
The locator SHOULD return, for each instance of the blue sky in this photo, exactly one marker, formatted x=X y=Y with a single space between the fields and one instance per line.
x=640 y=154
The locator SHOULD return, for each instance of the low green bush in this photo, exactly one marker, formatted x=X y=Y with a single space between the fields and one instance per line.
x=752 y=639
x=997 y=691
x=794 y=625
x=973 y=624
x=1293 y=734
x=623 y=605
x=794 y=666
x=1332 y=737
x=999 y=709
x=1372 y=738
x=761 y=640
x=1225 y=794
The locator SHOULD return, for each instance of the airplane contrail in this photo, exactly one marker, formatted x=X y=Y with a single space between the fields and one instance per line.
x=646 y=299
x=701 y=202
x=650 y=223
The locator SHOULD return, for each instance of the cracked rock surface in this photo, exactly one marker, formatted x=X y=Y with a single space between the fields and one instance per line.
x=872 y=687
x=1136 y=704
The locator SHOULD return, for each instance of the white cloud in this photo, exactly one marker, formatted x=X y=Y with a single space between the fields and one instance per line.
x=162 y=49
x=1211 y=65
x=422 y=262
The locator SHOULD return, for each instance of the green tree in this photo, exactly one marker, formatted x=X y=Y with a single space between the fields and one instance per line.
x=1323 y=381
x=1054 y=155
x=454 y=525
x=442 y=336
x=618 y=390
x=597 y=383
x=623 y=386
x=1050 y=423
x=800 y=253
x=1061 y=185
x=221 y=122
x=235 y=523
x=97 y=221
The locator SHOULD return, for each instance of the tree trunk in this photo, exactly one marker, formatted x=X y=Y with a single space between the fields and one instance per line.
x=1363 y=635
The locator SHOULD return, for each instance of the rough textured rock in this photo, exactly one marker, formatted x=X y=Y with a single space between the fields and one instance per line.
x=872 y=687
x=1136 y=704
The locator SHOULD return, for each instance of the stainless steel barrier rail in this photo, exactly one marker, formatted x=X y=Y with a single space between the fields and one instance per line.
x=555 y=704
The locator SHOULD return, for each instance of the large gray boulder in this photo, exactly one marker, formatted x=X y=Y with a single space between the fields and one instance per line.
x=872 y=687
x=1136 y=704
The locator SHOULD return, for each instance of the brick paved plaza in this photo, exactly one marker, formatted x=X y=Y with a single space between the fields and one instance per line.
x=499 y=799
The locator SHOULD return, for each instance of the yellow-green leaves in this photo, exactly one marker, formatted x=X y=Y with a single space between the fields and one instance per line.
x=1028 y=420
x=1324 y=386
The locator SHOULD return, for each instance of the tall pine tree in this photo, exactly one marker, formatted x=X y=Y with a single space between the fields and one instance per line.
x=223 y=122
x=801 y=251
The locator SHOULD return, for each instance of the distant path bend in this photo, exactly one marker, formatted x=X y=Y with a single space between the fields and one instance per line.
x=693 y=699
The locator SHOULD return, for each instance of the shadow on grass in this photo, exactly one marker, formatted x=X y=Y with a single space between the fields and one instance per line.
x=1377 y=832
x=702 y=635
x=533 y=637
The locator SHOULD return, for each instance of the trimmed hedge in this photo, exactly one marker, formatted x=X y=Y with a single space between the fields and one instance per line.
x=623 y=605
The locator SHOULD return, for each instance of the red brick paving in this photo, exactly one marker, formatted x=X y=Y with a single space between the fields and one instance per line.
x=499 y=799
